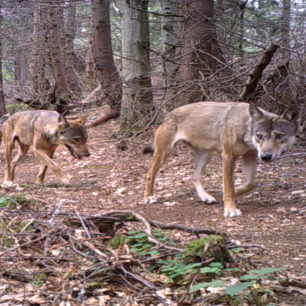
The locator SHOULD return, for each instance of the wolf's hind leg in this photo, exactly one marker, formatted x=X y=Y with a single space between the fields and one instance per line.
x=163 y=140
x=249 y=169
x=9 y=147
x=22 y=151
x=202 y=158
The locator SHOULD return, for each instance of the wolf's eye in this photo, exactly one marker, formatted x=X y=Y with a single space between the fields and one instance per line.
x=259 y=136
x=280 y=136
x=76 y=139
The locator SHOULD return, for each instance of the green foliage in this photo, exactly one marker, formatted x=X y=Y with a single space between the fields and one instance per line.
x=179 y=268
x=253 y=277
x=7 y=241
x=16 y=107
x=216 y=284
x=235 y=289
x=214 y=268
x=117 y=241
x=258 y=274
x=13 y=201
x=39 y=279
x=140 y=243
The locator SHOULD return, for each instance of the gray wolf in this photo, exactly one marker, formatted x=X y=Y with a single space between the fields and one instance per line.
x=232 y=128
x=44 y=130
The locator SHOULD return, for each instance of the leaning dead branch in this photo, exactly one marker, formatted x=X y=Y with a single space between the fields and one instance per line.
x=256 y=73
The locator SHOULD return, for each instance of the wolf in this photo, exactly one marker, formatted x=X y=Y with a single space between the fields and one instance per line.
x=235 y=129
x=45 y=131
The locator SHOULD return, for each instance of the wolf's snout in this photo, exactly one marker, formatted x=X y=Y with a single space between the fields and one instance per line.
x=266 y=157
x=86 y=154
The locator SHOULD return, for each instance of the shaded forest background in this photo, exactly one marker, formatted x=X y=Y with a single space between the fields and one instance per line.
x=142 y=58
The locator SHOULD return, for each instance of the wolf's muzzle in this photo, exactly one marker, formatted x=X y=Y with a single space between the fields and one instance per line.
x=266 y=157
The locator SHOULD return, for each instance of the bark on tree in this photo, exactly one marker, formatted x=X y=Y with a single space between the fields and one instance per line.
x=90 y=64
x=2 y=101
x=242 y=7
x=38 y=80
x=200 y=52
x=70 y=26
x=285 y=30
x=61 y=92
x=170 y=44
x=137 y=99
x=103 y=54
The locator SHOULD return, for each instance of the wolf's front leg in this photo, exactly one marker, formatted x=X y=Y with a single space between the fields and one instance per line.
x=230 y=209
x=44 y=156
x=249 y=169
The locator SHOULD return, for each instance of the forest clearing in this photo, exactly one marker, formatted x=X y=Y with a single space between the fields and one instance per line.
x=84 y=87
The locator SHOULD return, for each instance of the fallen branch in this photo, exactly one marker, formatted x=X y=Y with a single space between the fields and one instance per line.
x=293 y=155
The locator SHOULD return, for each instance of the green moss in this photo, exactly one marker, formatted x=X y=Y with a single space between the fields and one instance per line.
x=214 y=246
x=117 y=241
x=16 y=107
x=39 y=280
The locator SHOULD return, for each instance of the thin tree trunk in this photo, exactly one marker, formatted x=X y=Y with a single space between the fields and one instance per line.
x=285 y=30
x=137 y=99
x=62 y=93
x=2 y=101
x=90 y=64
x=38 y=80
x=170 y=41
x=103 y=54
x=242 y=7
x=72 y=79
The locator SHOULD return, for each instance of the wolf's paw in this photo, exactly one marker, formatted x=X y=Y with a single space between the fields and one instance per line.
x=232 y=213
x=65 y=181
x=8 y=184
x=208 y=199
x=150 y=200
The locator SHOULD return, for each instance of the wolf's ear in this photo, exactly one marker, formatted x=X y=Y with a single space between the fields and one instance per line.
x=255 y=112
x=291 y=114
x=81 y=120
x=62 y=123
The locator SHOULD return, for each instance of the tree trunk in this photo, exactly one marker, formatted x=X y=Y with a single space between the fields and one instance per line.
x=70 y=26
x=200 y=51
x=38 y=80
x=242 y=7
x=285 y=30
x=137 y=99
x=62 y=93
x=170 y=41
x=2 y=101
x=103 y=54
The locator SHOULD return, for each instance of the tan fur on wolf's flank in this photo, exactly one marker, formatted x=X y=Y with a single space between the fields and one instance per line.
x=223 y=127
x=44 y=130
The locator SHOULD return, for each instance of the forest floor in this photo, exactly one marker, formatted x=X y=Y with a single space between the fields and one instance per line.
x=111 y=179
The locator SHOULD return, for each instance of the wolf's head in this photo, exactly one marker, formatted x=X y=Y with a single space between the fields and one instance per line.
x=273 y=135
x=73 y=134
